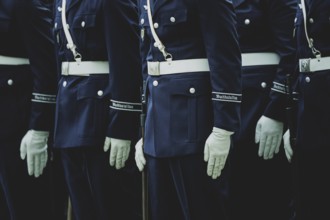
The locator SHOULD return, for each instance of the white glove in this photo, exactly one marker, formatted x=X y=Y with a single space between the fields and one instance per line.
x=269 y=135
x=34 y=146
x=139 y=157
x=216 y=151
x=119 y=151
x=287 y=145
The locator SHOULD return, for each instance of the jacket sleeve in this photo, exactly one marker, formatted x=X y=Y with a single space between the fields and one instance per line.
x=281 y=14
x=35 y=22
x=125 y=79
x=217 y=24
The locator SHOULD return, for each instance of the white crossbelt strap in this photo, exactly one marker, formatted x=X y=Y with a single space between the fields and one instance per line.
x=316 y=52
x=159 y=44
x=259 y=59
x=312 y=64
x=85 y=68
x=70 y=45
x=4 y=60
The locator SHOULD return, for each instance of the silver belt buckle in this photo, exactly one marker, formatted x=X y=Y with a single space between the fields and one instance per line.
x=304 y=65
x=65 y=68
x=154 y=68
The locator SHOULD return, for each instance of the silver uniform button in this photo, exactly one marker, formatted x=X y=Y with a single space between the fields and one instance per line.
x=192 y=90
x=311 y=20
x=295 y=20
x=155 y=44
x=64 y=83
x=263 y=85
x=155 y=83
x=10 y=82
x=307 y=79
x=172 y=19
x=247 y=21
x=100 y=93
x=83 y=24
x=55 y=25
x=59 y=8
x=156 y=25
x=142 y=21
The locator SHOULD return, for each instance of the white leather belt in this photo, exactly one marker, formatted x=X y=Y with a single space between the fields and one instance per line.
x=4 y=60
x=314 y=64
x=85 y=68
x=202 y=65
x=178 y=66
x=259 y=59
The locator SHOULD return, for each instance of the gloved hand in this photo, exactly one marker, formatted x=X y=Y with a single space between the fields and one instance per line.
x=119 y=151
x=34 y=146
x=216 y=151
x=287 y=145
x=269 y=135
x=139 y=157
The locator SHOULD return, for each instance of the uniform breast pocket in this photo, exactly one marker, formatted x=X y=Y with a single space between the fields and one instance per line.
x=172 y=23
x=83 y=27
x=190 y=110
x=251 y=22
x=319 y=29
x=92 y=107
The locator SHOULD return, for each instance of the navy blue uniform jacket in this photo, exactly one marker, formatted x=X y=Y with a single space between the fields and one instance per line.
x=313 y=88
x=265 y=26
x=27 y=92
x=90 y=108
x=183 y=108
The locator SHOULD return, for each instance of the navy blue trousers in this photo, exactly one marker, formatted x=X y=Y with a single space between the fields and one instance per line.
x=99 y=191
x=259 y=189
x=4 y=214
x=313 y=147
x=24 y=197
x=179 y=189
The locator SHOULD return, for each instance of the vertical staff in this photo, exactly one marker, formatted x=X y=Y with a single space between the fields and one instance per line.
x=145 y=208
x=290 y=114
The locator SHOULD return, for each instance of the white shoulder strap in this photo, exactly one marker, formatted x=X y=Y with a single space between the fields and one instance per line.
x=70 y=45
x=316 y=52
x=159 y=44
